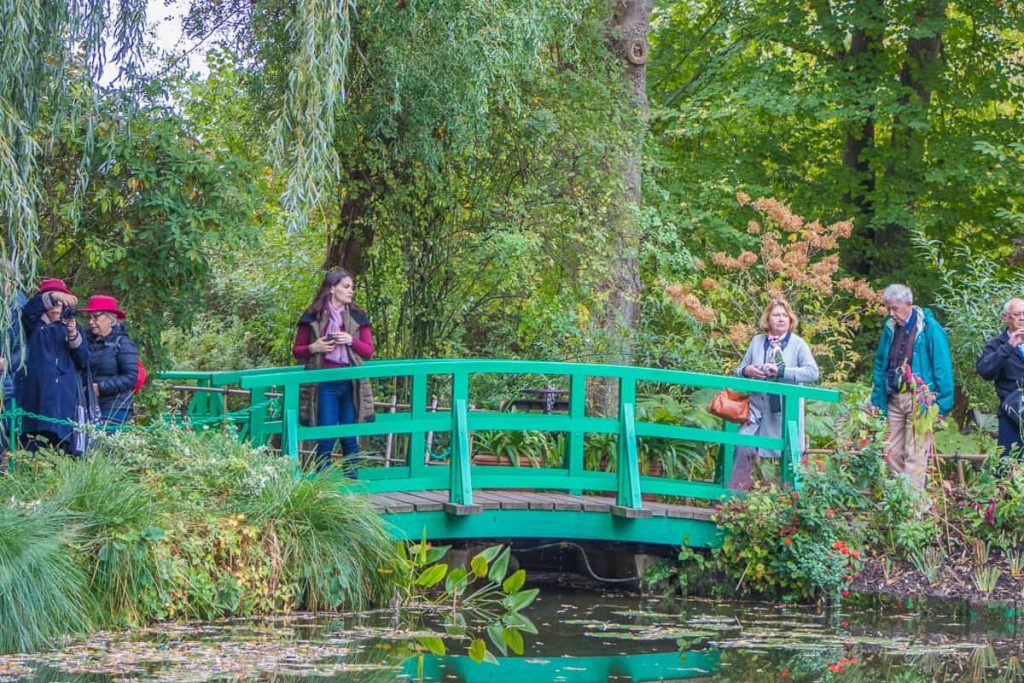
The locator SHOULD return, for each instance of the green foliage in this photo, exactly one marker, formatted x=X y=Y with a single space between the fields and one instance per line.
x=787 y=544
x=42 y=588
x=157 y=205
x=175 y=524
x=894 y=114
x=484 y=588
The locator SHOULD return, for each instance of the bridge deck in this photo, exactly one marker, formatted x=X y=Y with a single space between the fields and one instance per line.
x=433 y=501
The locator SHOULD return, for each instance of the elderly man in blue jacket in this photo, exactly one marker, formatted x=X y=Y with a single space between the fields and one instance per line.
x=912 y=343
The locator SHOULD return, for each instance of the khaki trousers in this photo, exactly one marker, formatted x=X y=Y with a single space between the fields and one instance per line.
x=906 y=452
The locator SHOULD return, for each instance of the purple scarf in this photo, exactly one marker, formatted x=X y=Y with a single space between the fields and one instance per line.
x=336 y=323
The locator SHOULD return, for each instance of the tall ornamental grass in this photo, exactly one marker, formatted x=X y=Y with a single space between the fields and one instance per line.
x=43 y=588
x=178 y=525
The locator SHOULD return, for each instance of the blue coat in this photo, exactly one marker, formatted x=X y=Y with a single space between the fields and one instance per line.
x=114 y=361
x=52 y=386
x=931 y=361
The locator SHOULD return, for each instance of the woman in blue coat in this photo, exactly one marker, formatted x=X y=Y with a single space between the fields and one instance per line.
x=55 y=354
x=113 y=359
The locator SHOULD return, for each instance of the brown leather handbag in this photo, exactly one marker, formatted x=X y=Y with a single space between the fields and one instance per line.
x=730 y=405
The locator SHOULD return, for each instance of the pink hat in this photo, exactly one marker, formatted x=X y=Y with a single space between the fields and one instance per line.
x=102 y=303
x=53 y=284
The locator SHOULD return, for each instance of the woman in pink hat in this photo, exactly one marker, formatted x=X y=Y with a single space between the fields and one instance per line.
x=55 y=354
x=113 y=360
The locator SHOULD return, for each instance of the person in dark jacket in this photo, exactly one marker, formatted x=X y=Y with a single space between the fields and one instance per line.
x=55 y=353
x=334 y=333
x=113 y=360
x=1002 y=362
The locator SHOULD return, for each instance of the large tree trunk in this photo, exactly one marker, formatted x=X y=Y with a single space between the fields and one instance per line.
x=352 y=237
x=627 y=38
x=922 y=65
x=865 y=50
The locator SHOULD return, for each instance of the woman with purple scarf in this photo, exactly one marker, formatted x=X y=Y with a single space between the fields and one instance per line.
x=777 y=354
x=334 y=333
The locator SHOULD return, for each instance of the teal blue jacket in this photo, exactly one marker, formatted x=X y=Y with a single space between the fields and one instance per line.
x=931 y=361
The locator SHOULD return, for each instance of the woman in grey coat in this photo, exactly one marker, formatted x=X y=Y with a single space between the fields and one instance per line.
x=776 y=354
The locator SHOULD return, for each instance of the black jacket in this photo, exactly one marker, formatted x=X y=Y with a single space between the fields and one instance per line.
x=114 y=361
x=1000 y=363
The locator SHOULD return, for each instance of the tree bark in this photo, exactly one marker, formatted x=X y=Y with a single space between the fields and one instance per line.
x=627 y=39
x=864 y=55
x=352 y=237
x=921 y=67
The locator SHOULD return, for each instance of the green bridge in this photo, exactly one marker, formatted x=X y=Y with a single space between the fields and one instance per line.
x=457 y=497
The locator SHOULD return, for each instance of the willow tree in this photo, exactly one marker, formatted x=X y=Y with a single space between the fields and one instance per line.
x=46 y=50
x=465 y=158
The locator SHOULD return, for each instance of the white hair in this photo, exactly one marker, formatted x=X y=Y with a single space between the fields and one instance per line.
x=900 y=293
x=1006 y=306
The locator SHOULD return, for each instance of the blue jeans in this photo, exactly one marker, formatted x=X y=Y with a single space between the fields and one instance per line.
x=336 y=406
x=112 y=418
x=1009 y=435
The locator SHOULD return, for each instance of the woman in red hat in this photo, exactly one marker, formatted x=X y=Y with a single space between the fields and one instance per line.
x=55 y=354
x=113 y=360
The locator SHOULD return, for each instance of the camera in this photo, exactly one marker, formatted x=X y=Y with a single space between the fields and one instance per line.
x=69 y=312
x=894 y=381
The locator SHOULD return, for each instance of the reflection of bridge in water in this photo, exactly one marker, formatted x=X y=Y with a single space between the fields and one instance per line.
x=459 y=498
x=661 y=666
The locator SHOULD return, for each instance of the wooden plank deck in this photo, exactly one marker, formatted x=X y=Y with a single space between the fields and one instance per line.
x=430 y=501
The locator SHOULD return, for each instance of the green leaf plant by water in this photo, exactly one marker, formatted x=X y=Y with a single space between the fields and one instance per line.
x=484 y=590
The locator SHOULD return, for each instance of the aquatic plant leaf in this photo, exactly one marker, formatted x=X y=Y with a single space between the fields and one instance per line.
x=500 y=567
x=521 y=622
x=490 y=553
x=457 y=581
x=431 y=576
x=432 y=644
x=495 y=633
x=477 y=650
x=515 y=582
x=514 y=639
x=520 y=600
x=479 y=566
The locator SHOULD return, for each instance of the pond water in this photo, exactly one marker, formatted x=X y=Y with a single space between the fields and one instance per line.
x=580 y=636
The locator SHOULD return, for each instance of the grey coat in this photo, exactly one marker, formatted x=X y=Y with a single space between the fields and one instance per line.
x=800 y=369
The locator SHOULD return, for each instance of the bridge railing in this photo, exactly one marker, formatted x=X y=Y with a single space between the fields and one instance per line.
x=461 y=477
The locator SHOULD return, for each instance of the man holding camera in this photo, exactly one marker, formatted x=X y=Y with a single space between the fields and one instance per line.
x=55 y=355
x=913 y=347
x=1002 y=362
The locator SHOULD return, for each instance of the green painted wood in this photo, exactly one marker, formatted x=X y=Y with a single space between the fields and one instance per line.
x=791 y=448
x=597 y=526
x=257 y=418
x=416 y=456
x=519 y=367
x=290 y=438
x=792 y=456
x=461 y=487
x=575 y=439
x=627 y=467
x=659 y=666
x=723 y=468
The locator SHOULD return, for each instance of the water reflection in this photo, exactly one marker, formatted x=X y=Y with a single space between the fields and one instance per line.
x=578 y=637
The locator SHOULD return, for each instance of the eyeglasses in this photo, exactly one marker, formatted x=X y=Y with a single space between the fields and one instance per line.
x=95 y=316
x=1015 y=314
